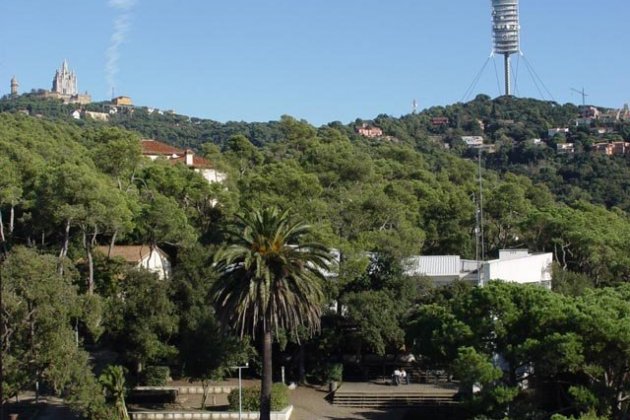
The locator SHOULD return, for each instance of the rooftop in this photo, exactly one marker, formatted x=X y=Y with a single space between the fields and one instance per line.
x=154 y=147
x=129 y=253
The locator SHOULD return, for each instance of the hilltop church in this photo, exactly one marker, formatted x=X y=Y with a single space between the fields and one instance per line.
x=64 y=87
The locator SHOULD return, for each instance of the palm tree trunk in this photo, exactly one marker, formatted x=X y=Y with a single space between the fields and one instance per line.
x=2 y=239
x=12 y=219
x=301 y=365
x=265 y=390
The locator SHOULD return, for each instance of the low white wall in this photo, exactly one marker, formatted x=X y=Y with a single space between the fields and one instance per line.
x=186 y=390
x=207 y=415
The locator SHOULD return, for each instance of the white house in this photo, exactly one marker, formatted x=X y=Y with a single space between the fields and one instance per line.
x=513 y=265
x=565 y=148
x=153 y=259
x=553 y=131
x=98 y=116
x=473 y=141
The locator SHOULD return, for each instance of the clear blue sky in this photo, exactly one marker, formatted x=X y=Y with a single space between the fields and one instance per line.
x=321 y=60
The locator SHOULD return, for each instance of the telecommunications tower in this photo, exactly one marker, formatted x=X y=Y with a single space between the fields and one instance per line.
x=505 y=33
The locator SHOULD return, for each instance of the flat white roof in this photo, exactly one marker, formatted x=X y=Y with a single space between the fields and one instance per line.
x=434 y=265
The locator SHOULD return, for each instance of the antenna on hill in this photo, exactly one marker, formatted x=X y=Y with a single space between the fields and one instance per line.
x=414 y=106
x=581 y=92
x=481 y=253
x=506 y=34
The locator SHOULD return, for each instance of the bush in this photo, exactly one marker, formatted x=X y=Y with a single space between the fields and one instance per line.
x=156 y=375
x=251 y=398
x=335 y=372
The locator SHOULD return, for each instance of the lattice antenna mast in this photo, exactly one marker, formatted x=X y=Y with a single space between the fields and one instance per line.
x=506 y=33
x=582 y=93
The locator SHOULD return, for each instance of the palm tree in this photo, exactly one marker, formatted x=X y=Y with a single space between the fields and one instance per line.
x=269 y=281
x=113 y=380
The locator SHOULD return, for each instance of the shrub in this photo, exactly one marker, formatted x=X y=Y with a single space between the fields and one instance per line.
x=156 y=375
x=335 y=372
x=251 y=398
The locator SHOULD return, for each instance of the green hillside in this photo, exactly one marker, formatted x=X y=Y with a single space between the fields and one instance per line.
x=68 y=186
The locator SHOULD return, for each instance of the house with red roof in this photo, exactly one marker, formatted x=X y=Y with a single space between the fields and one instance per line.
x=154 y=149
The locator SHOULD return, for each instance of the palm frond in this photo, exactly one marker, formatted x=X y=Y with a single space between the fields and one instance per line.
x=268 y=279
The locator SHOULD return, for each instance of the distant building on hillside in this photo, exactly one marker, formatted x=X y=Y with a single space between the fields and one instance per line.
x=438 y=121
x=473 y=141
x=565 y=148
x=150 y=258
x=65 y=81
x=64 y=87
x=369 y=130
x=97 y=116
x=553 y=131
x=154 y=149
x=122 y=101
x=14 y=87
x=513 y=265
x=617 y=148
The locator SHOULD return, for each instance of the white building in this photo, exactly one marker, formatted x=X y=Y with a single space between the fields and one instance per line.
x=473 y=141
x=153 y=259
x=513 y=265
x=553 y=131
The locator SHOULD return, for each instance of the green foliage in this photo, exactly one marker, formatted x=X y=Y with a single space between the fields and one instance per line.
x=267 y=269
x=395 y=196
x=577 y=341
x=156 y=375
x=140 y=321
x=269 y=280
x=113 y=380
x=334 y=372
x=251 y=398
x=476 y=370
x=38 y=342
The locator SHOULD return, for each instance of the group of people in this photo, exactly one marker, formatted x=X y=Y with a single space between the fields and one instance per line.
x=400 y=377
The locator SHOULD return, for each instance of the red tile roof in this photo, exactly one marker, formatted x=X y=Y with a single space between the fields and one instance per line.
x=198 y=162
x=154 y=147
x=130 y=253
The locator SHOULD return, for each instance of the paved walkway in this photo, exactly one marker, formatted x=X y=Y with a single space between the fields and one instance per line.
x=309 y=403
x=447 y=390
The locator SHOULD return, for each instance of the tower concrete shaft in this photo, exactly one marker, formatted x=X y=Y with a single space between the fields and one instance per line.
x=508 y=75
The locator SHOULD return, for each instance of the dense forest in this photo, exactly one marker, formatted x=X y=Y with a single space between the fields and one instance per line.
x=69 y=186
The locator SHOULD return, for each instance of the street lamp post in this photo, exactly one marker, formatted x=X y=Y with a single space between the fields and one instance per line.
x=240 y=388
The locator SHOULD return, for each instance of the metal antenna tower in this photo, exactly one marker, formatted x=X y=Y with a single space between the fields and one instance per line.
x=480 y=224
x=583 y=93
x=505 y=34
